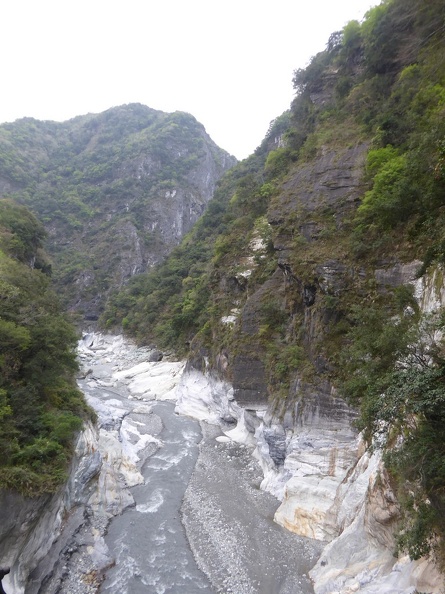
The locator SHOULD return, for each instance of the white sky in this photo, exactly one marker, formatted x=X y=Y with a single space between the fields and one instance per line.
x=229 y=63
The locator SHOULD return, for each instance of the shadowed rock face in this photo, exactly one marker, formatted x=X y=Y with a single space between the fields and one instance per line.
x=332 y=180
x=3 y=571
x=331 y=183
x=18 y=519
x=249 y=382
x=28 y=526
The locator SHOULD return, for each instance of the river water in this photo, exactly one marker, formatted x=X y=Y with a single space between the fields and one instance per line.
x=199 y=522
x=148 y=541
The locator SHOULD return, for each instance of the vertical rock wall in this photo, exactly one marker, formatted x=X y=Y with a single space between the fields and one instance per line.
x=29 y=527
x=330 y=487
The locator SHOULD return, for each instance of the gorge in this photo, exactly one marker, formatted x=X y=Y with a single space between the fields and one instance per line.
x=261 y=340
x=343 y=501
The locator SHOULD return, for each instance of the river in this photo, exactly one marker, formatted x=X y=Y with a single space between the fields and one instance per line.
x=199 y=522
x=148 y=541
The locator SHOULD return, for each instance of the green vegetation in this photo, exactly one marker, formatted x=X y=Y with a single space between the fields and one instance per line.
x=292 y=265
x=393 y=368
x=172 y=303
x=40 y=406
x=101 y=185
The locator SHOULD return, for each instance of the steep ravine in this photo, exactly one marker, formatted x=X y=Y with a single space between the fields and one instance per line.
x=116 y=191
x=330 y=488
x=128 y=466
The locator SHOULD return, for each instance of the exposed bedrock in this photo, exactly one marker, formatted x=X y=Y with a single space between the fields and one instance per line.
x=55 y=543
x=28 y=527
x=321 y=448
x=330 y=487
x=333 y=179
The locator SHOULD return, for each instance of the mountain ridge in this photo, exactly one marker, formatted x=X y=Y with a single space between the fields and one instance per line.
x=116 y=191
x=316 y=241
x=311 y=287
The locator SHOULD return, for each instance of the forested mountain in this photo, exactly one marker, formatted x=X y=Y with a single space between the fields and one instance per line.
x=293 y=282
x=40 y=406
x=115 y=191
x=113 y=194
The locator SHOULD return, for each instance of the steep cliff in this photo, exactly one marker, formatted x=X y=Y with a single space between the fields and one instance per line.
x=41 y=410
x=331 y=486
x=116 y=191
x=29 y=526
x=300 y=291
x=55 y=542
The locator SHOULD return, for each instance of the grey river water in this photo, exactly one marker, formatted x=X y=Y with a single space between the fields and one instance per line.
x=199 y=523
x=148 y=541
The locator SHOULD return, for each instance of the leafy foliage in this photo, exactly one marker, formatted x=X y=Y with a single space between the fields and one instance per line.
x=40 y=407
x=380 y=82
x=393 y=368
x=171 y=303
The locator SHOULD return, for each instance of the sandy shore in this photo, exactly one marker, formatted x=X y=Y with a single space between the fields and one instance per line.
x=229 y=524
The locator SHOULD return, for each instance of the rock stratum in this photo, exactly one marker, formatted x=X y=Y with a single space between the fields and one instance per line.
x=307 y=303
x=331 y=489
x=56 y=543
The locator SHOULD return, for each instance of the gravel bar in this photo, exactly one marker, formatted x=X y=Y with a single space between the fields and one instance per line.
x=230 y=527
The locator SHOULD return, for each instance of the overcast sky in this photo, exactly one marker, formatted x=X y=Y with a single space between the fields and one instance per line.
x=229 y=63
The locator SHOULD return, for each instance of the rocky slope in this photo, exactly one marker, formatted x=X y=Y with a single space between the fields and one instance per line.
x=56 y=542
x=309 y=299
x=331 y=487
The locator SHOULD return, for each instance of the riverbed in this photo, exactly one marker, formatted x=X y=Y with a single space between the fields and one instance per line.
x=197 y=521
x=148 y=541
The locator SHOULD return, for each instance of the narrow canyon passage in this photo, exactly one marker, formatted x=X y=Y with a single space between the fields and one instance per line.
x=199 y=522
x=229 y=523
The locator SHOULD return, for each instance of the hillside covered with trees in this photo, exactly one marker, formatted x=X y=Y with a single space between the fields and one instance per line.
x=294 y=280
x=41 y=408
x=295 y=283
x=115 y=192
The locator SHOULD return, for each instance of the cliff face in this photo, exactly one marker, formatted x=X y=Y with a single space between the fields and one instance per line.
x=309 y=209
x=307 y=307
x=310 y=294
x=116 y=191
x=56 y=543
x=30 y=526
x=330 y=485
x=314 y=459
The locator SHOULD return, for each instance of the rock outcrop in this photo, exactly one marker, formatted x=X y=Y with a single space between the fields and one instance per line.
x=55 y=543
x=331 y=488
x=30 y=527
